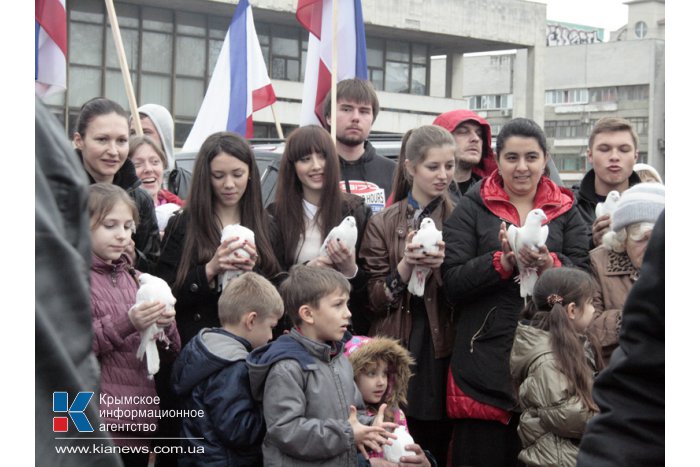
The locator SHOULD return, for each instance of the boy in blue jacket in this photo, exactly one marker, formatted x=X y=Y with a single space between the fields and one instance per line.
x=210 y=376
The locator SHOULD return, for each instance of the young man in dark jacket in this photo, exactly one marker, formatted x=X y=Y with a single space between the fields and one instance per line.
x=612 y=151
x=363 y=171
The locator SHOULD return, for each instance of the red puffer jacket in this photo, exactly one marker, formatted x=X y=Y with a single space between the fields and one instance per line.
x=112 y=293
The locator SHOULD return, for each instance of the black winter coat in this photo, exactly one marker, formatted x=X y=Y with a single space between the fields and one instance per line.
x=197 y=303
x=487 y=306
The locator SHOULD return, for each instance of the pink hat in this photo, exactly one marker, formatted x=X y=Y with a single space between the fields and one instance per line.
x=355 y=343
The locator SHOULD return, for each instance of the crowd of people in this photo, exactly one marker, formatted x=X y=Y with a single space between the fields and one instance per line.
x=319 y=351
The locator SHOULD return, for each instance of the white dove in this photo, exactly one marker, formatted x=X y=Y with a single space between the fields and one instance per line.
x=393 y=452
x=428 y=235
x=608 y=206
x=163 y=213
x=243 y=233
x=533 y=234
x=152 y=288
x=345 y=231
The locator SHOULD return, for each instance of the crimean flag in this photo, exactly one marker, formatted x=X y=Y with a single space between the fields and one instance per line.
x=316 y=16
x=50 y=46
x=239 y=84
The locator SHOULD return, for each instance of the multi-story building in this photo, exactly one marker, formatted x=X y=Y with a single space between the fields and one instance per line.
x=420 y=58
x=172 y=46
x=585 y=79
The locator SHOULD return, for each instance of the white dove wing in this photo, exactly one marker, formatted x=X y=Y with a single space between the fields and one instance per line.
x=544 y=232
x=243 y=233
x=512 y=234
x=152 y=288
x=345 y=231
x=428 y=236
x=393 y=452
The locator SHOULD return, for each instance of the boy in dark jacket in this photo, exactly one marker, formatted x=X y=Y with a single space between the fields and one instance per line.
x=211 y=378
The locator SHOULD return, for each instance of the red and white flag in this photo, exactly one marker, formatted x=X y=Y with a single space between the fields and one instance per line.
x=239 y=84
x=50 y=46
x=317 y=17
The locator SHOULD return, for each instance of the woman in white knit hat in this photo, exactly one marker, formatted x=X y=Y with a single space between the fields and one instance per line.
x=647 y=173
x=616 y=263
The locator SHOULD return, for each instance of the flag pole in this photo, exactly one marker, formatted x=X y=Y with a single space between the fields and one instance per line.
x=280 y=135
x=334 y=70
x=121 y=55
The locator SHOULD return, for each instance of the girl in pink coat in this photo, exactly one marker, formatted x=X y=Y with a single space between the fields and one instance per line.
x=127 y=398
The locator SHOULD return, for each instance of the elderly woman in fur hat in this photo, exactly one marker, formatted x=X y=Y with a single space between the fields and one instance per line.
x=382 y=368
x=615 y=264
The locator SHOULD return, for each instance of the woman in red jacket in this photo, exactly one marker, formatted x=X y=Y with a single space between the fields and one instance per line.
x=479 y=271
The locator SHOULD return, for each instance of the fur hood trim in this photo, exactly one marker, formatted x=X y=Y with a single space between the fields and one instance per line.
x=363 y=352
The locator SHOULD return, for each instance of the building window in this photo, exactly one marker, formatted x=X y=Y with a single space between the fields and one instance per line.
x=569 y=162
x=566 y=96
x=607 y=94
x=634 y=93
x=398 y=66
x=640 y=29
x=284 y=50
x=640 y=125
x=567 y=129
x=490 y=102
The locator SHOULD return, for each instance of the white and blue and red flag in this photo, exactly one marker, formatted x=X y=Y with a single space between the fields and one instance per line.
x=239 y=85
x=50 y=46
x=317 y=17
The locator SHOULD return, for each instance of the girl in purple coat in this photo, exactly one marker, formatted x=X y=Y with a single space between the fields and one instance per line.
x=127 y=394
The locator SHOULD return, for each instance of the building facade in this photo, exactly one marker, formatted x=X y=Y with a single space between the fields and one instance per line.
x=584 y=79
x=498 y=57
x=172 y=46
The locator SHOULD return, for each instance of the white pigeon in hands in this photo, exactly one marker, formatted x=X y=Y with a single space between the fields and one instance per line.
x=345 y=231
x=533 y=234
x=428 y=236
x=153 y=288
x=397 y=449
x=163 y=214
x=608 y=206
x=243 y=233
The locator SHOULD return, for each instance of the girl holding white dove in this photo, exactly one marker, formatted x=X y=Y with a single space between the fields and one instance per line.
x=422 y=324
x=479 y=271
x=117 y=322
x=308 y=205
x=225 y=190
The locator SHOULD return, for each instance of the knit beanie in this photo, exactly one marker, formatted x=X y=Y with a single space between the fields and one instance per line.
x=641 y=203
x=641 y=167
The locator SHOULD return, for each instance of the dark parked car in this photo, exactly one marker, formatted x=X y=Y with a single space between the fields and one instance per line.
x=269 y=152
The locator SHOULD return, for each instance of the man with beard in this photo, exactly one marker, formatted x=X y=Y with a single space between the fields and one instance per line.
x=474 y=153
x=363 y=171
